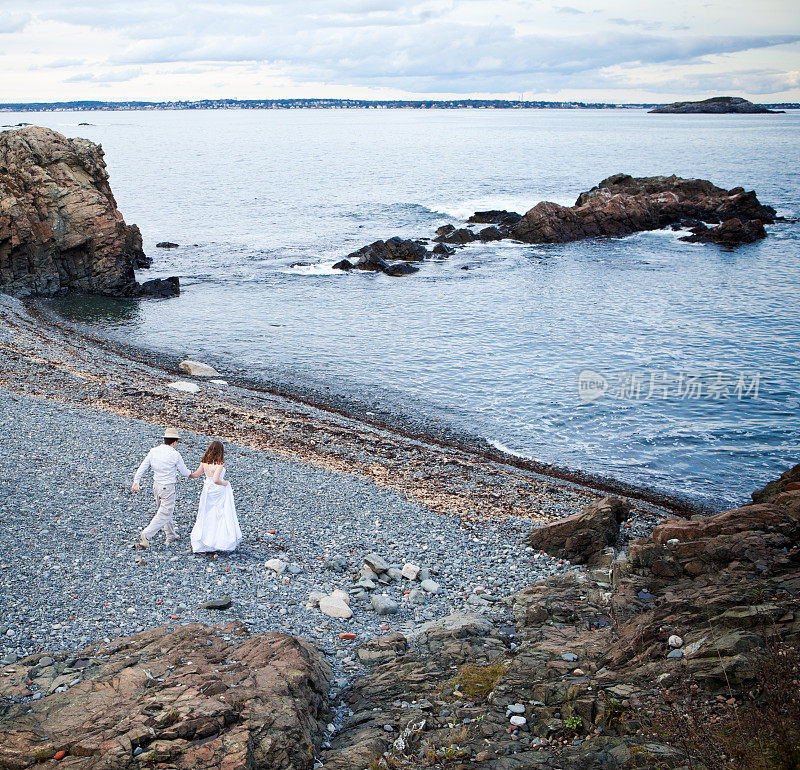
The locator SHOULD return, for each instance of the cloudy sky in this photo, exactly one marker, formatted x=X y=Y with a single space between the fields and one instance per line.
x=617 y=50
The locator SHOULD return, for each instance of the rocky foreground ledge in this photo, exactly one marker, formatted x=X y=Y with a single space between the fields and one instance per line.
x=618 y=206
x=592 y=669
x=60 y=228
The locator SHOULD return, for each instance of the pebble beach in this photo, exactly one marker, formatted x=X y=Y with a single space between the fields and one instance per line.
x=71 y=575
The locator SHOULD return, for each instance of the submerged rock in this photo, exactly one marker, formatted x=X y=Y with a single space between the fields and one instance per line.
x=390 y=257
x=60 y=228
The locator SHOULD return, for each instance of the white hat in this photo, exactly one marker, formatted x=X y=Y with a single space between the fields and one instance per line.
x=171 y=433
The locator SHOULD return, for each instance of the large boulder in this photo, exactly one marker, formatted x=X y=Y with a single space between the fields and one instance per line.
x=622 y=204
x=582 y=536
x=60 y=228
x=195 y=697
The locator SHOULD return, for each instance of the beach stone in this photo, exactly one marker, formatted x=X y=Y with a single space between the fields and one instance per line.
x=675 y=654
x=383 y=605
x=198 y=369
x=675 y=641
x=570 y=657
x=336 y=605
x=184 y=387
x=376 y=563
x=276 y=565
x=410 y=571
x=203 y=715
x=222 y=603
x=337 y=564
x=431 y=586
x=516 y=708
x=417 y=597
x=518 y=721
x=394 y=574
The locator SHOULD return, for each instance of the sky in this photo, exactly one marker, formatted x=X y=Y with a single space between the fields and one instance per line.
x=614 y=51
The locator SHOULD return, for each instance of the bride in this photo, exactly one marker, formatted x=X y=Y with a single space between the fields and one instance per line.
x=216 y=528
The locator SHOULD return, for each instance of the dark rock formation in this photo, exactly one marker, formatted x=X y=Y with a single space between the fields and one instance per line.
x=440 y=250
x=490 y=234
x=732 y=232
x=391 y=257
x=505 y=218
x=167 y=245
x=788 y=482
x=196 y=697
x=60 y=229
x=582 y=537
x=159 y=288
x=716 y=105
x=460 y=236
x=621 y=205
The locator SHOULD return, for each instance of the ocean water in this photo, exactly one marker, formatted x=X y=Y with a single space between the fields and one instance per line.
x=689 y=353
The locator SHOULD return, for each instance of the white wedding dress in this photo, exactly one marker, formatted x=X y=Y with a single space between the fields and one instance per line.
x=216 y=528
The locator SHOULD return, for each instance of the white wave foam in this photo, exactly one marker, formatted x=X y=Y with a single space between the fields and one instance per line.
x=320 y=268
x=466 y=208
x=507 y=450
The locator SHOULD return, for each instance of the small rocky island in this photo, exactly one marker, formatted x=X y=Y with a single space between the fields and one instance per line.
x=620 y=205
x=60 y=228
x=717 y=105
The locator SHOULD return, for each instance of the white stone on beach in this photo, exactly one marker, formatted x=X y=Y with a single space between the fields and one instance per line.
x=410 y=571
x=431 y=586
x=675 y=641
x=518 y=721
x=276 y=565
x=221 y=383
x=183 y=386
x=335 y=605
x=198 y=369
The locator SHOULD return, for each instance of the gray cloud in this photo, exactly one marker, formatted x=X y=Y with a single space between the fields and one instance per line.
x=422 y=46
x=107 y=76
x=13 y=22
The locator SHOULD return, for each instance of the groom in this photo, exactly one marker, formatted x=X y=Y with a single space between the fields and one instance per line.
x=165 y=461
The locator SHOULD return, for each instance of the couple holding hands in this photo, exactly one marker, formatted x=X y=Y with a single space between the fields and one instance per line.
x=216 y=527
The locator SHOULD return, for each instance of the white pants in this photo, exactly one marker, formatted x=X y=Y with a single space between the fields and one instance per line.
x=165 y=500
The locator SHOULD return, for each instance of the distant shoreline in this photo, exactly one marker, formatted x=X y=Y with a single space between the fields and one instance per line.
x=337 y=104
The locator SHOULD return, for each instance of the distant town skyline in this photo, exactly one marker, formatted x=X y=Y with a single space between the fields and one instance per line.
x=619 y=51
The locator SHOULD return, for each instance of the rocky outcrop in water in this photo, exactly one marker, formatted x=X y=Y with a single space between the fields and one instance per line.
x=717 y=105
x=60 y=228
x=622 y=204
x=618 y=206
x=593 y=659
x=392 y=257
x=195 y=697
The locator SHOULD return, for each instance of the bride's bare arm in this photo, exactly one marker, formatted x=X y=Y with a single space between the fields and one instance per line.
x=217 y=474
x=197 y=473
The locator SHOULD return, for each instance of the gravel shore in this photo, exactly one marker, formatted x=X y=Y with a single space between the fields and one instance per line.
x=68 y=520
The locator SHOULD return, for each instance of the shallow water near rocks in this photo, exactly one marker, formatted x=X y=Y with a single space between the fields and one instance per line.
x=264 y=202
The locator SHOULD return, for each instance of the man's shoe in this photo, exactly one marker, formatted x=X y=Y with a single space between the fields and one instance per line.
x=172 y=539
x=143 y=544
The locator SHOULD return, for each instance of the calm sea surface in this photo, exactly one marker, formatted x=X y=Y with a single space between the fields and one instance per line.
x=698 y=347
